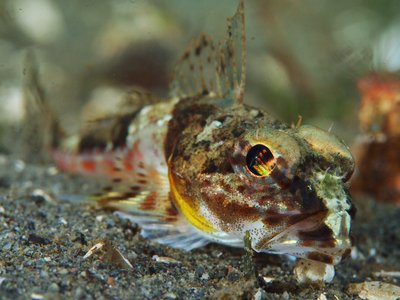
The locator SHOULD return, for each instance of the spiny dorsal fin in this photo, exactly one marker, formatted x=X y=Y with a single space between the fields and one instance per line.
x=109 y=128
x=136 y=98
x=41 y=130
x=215 y=71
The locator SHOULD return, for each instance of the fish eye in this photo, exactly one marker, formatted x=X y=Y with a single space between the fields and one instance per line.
x=260 y=161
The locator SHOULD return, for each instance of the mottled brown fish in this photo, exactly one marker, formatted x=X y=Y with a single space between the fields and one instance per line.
x=204 y=167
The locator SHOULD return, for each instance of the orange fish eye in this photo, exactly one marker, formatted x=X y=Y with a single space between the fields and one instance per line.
x=260 y=161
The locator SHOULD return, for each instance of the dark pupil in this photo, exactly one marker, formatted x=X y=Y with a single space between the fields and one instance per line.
x=260 y=160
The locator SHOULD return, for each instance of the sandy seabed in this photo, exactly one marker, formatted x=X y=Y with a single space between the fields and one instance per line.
x=43 y=239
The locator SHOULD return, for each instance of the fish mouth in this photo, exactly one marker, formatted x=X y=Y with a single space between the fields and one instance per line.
x=312 y=238
x=319 y=229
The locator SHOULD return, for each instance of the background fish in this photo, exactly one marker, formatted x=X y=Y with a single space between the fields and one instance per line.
x=376 y=149
x=202 y=166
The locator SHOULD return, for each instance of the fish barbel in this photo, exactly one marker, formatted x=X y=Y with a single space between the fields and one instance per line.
x=203 y=167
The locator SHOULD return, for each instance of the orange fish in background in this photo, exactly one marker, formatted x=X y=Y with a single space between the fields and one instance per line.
x=377 y=149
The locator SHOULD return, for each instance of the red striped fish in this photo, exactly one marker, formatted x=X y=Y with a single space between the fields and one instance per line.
x=203 y=167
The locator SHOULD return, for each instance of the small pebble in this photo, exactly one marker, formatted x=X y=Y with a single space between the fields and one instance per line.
x=7 y=246
x=132 y=255
x=110 y=281
x=40 y=196
x=218 y=274
x=199 y=272
x=62 y=221
x=31 y=225
x=53 y=288
x=260 y=295
x=52 y=171
x=36 y=239
x=44 y=274
x=99 y=218
x=205 y=276
x=216 y=254
x=63 y=271
x=233 y=276
x=79 y=293
x=165 y=259
x=322 y=297
x=374 y=290
x=19 y=165
x=37 y=296
x=170 y=296
x=110 y=224
x=267 y=279
x=308 y=271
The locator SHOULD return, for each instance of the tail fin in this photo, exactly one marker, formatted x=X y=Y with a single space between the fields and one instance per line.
x=41 y=131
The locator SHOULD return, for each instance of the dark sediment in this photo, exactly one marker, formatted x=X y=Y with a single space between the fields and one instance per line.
x=43 y=240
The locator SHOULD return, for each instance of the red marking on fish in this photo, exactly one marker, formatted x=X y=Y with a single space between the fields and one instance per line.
x=67 y=162
x=129 y=159
x=149 y=202
x=108 y=166
x=88 y=164
x=171 y=214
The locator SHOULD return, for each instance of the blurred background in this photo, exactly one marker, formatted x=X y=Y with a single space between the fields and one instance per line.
x=304 y=58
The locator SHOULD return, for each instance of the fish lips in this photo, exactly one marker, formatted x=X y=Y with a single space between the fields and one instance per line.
x=309 y=238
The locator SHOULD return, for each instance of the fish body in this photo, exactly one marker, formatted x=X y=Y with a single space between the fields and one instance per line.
x=203 y=166
x=376 y=148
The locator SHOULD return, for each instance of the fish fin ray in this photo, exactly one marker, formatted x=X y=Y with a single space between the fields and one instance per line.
x=130 y=101
x=178 y=234
x=40 y=121
x=141 y=191
x=138 y=97
x=206 y=69
x=104 y=126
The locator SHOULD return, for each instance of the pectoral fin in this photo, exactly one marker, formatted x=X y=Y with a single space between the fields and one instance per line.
x=146 y=202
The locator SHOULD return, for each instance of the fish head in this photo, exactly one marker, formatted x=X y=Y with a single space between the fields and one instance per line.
x=236 y=173
x=240 y=173
x=296 y=179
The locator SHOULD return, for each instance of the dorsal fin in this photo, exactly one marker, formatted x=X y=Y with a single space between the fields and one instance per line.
x=216 y=71
x=109 y=129
x=40 y=120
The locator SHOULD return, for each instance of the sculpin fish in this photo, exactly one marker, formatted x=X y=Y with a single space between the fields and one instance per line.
x=204 y=167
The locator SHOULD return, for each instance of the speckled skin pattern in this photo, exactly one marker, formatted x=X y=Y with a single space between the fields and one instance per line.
x=301 y=208
x=200 y=143
x=205 y=166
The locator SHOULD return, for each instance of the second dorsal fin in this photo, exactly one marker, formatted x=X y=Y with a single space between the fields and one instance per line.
x=214 y=70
